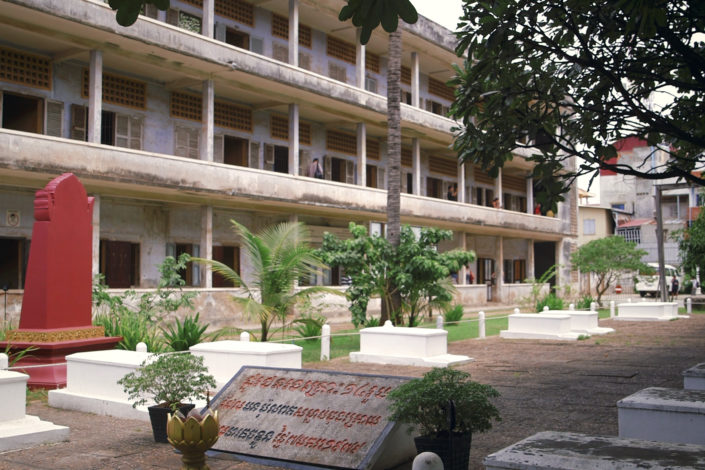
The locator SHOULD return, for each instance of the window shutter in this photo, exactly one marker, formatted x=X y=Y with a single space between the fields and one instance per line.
x=305 y=61
x=196 y=267
x=135 y=133
x=219 y=32
x=269 y=157
x=172 y=16
x=180 y=142
x=304 y=162
x=253 y=160
x=444 y=190
x=171 y=250
x=257 y=45
x=54 y=121
x=349 y=172
x=327 y=167
x=218 y=151
x=122 y=130
x=280 y=52
x=193 y=139
x=150 y=11
x=79 y=122
x=381 y=182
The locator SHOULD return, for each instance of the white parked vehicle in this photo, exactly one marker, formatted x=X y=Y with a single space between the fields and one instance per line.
x=649 y=284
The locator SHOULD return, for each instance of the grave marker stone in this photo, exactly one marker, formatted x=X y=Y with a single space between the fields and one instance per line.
x=306 y=418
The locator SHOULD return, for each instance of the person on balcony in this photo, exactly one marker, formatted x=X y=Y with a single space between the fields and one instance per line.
x=314 y=170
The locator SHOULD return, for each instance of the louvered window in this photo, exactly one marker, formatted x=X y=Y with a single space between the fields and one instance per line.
x=372 y=149
x=341 y=142
x=372 y=62
x=186 y=106
x=406 y=157
x=443 y=166
x=304 y=133
x=26 y=69
x=279 y=127
x=340 y=49
x=237 y=10
x=438 y=88
x=120 y=90
x=405 y=75
x=233 y=116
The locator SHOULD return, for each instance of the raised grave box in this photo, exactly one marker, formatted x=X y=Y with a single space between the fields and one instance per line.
x=389 y=344
x=17 y=429
x=225 y=358
x=572 y=451
x=582 y=322
x=694 y=378
x=310 y=419
x=663 y=414
x=539 y=326
x=647 y=311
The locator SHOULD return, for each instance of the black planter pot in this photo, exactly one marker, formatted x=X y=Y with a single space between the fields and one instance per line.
x=158 y=415
x=454 y=452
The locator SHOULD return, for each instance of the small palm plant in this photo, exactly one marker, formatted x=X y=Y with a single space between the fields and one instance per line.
x=279 y=256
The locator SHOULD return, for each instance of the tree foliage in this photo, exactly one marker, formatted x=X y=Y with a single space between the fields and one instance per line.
x=368 y=14
x=561 y=78
x=279 y=256
x=127 y=11
x=606 y=258
x=415 y=270
x=691 y=244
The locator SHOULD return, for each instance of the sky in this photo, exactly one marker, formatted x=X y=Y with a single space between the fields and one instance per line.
x=443 y=12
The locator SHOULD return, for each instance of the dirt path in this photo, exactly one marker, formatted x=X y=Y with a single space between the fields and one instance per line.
x=545 y=385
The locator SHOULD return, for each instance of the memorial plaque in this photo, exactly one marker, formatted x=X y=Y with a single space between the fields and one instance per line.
x=310 y=417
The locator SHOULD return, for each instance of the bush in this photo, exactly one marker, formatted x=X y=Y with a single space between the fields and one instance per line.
x=453 y=315
x=584 y=302
x=180 y=336
x=371 y=321
x=552 y=301
x=309 y=326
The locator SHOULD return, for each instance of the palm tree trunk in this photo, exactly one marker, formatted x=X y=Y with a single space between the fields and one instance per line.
x=394 y=160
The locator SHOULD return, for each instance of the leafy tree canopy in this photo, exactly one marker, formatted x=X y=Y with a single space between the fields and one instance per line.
x=606 y=258
x=128 y=10
x=565 y=78
x=415 y=269
x=368 y=14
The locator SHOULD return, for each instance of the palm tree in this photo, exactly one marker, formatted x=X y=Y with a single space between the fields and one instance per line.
x=279 y=256
x=368 y=14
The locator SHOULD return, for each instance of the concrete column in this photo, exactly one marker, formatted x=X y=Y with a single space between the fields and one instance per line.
x=95 y=96
x=359 y=61
x=530 y=261
x=208 y=21
x=206 y=245
x=461 y=182
x=95 y=261
x=499 y=269
x=463 y=275
x=415 y=98
x=294 y=32
x=293 y=139
x=362 y=154
x=416 y=164
x=498 y=188
x=559 y=262
x=471 y=178
x=207 y=111
x=530 y=196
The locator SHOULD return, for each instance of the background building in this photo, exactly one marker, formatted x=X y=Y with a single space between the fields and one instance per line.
x=214 y=109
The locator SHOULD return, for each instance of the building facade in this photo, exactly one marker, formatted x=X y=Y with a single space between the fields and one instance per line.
x=215 y=109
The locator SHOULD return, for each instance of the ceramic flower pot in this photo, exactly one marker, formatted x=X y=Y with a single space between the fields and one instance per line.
x=158 y=415
x=193 y=437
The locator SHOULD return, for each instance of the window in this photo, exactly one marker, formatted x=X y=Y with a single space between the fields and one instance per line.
x=371 y=84
x=22 y=113
x=371 y=176
x=485 y=268
x=630 y=234
x=25 y=69
x=337 y=72
x=120 y=263
x=340 y=49
x=189 y=22
x=588 y=226
x=514 y=271
x=235 y=151
x=434 y=187
x=186 y=142
x=121 y=130
x=237 y=38
x=619 y=206
x=276 y=158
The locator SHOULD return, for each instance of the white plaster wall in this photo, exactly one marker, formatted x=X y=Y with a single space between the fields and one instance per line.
x=22 y=201
x=515 y=248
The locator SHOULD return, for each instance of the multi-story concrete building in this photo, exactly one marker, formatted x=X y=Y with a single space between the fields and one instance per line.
x=214 y=110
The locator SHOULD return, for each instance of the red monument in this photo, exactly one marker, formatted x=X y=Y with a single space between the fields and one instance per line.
x=56 y=306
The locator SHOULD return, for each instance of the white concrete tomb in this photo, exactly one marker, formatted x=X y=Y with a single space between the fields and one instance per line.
x=647 y=311
x=17 y=429
x=694 y=378
x=225 y=358
x=582 y=322
x=539 y=326
x=426 y=347
x=663 y=414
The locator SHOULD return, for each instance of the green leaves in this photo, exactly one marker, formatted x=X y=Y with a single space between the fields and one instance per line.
x=129 y=10
x=368 y=14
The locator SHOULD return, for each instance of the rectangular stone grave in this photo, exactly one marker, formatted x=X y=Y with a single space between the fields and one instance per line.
x=694 y=378
x=663 y=414
x=300 y=418
x=539 y=326
x=572 y=451
x=582 y=322
x=647 y=311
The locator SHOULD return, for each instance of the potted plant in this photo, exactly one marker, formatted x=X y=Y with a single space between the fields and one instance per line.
x=168 y=381
x=447 y=407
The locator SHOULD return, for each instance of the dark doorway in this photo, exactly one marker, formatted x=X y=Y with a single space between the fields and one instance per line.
x=281 y=159
x=235 y=151
x=229 y=256
x=337 y=170
x=22 y=113
x=544 y=258
x=434 y=187
x=120 y=263
x=237 y=38
x=13 y=262
x=371 y=176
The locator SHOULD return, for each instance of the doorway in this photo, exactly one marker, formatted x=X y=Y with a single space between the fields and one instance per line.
x=22 y=113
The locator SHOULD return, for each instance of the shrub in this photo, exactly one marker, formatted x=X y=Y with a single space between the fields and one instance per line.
x=453 y=315
x=180 y=336
x=371 y=321
x=309 y=326
x=552 y=301
x=585 y=302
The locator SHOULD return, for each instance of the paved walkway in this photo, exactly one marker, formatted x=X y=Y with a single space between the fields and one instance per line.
x=545 y=385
